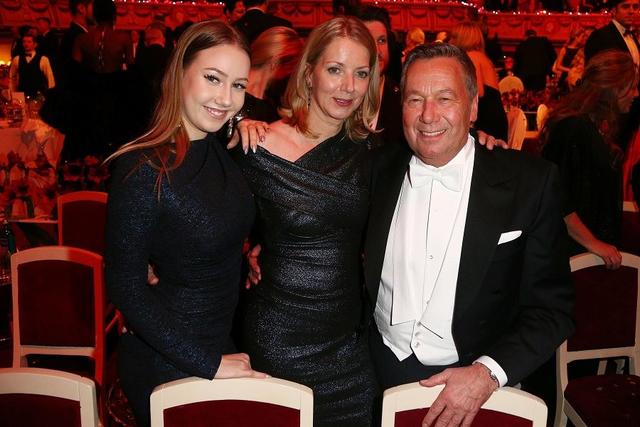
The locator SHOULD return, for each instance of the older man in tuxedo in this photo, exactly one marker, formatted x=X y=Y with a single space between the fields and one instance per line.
x=465 y=259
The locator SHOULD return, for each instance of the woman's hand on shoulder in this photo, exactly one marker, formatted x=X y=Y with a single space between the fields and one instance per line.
x=237 y=365
x=490 y=142
x=250 y=133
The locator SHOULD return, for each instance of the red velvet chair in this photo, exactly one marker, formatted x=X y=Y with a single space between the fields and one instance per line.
x=82 y=217
x=33 y=397
x=58 y=305
x=607 y=326
x=406 y=405
x=234 y=402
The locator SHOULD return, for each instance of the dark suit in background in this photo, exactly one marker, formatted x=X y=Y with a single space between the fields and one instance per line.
x=254 y=22
x=607 y=37
x=533 y=60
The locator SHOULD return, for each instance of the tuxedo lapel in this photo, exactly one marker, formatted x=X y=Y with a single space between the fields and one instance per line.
x=617 y=38
x=492 y=190
x=385 y=192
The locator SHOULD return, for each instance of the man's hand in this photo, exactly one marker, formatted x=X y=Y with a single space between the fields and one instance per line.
x=490 y=142
x=466 y=390
x=249 y=132
x=237 y=365
x=254 y=275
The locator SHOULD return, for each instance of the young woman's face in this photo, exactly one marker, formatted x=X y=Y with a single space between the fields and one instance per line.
x=213 y=88
x=339 y=81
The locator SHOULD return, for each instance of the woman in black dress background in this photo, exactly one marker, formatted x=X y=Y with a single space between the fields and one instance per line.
x=580 y=136
x=310 y=178
x=179 y=202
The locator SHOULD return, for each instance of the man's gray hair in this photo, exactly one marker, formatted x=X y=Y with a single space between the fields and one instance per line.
x=443 y=50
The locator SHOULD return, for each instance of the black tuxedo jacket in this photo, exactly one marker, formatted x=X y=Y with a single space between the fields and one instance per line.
x=514 y=300
x=254 y=22
x=607 y=37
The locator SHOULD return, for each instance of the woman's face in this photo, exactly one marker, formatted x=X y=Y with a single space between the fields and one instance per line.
x=379 y=33
x=338 y=81
x=213 y=88
x=237 y=12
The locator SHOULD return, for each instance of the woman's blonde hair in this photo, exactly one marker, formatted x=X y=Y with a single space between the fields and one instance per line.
x=281 y=45
x=167 y=136
x=467 y=36
x=295 y=109
x=415 y=37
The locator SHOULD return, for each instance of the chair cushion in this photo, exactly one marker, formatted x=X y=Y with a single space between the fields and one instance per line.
x=56 y=304
x=31 y=410
x=484 y=418
x=597 y=287
x=84 y=225
x=231 y=413
x=606 y=400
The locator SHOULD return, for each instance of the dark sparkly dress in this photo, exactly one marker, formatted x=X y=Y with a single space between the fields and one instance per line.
x=193 y=235
x=591 y=177
x=302 y=320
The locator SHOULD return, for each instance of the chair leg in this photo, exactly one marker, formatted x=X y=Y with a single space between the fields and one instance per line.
x=561 y=418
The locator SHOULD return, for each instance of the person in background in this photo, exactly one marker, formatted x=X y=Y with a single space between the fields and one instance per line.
x=346 y=7
x=388 y=118
x=233 y=9
x=149 y=69
x=492 y=118
x=415 y=37
x=570 y=60
x=103 y=49
x=618 y=35
x=533 y=60
x=180 y=327
x=580 y=135
x=274 y=56
x=81 y=20
x=104 y=54
x=310 y=180
x=489 y=222
x=47 y=41
x=442 y=37
x=256 y=20
x=31 y=71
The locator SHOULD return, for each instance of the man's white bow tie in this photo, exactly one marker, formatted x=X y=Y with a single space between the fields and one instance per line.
x=450 y=176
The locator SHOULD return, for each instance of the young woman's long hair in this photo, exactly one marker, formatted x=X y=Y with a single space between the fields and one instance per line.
x=295 y=108
x=167 y=137
x=606 y=76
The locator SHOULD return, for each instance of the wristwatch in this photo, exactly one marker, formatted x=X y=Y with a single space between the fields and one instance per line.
x=490 y=372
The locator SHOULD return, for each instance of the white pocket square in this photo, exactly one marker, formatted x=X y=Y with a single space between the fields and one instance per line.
x=509 y=236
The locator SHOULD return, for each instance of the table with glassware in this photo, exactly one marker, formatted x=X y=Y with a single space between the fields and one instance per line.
x=29 y=155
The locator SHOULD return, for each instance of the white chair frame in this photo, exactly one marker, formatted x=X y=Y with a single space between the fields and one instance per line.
x=47 y=382
x=564 y=357
x=79 y=256
x=507 y=400
x=268 y=390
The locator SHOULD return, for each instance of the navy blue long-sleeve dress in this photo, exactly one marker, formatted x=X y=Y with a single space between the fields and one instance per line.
x=192 y=232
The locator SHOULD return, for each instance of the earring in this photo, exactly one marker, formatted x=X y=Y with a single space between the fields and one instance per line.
x=230 y=127
x=308 y=100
